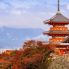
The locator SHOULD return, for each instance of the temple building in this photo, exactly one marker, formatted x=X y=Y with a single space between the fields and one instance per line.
x=58 y=31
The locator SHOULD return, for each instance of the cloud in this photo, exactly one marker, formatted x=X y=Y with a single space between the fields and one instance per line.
x=25 y=5
x=41 y=37
x=27 y=13
x=67 y=6
x=16 y=12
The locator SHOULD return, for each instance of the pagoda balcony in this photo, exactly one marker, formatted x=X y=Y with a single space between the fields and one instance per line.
x=56 y=23
x=56 y=33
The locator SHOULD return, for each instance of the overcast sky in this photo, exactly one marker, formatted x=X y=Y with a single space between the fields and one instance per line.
x=29 y=13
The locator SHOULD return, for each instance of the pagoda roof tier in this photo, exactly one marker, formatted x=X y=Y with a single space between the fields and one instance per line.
x=63 y=45
x=57 y=33
x=57 y=19
x=66 y=40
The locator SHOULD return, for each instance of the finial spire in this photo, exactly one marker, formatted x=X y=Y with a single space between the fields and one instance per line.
x=58 y=6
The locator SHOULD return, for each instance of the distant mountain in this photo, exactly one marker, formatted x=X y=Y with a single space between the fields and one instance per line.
x=14 y=38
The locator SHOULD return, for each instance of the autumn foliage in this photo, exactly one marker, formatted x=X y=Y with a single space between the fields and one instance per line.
x=33 y=55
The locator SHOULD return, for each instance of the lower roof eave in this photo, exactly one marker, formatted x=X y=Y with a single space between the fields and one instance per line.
x=56 y=34
x=57 y=23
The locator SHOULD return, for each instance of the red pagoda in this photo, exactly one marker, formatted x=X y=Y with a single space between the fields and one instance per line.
x=58 y=31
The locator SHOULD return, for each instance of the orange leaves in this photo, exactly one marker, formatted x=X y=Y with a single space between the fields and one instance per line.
x=37 y=57
x=27 y=60
x=33 y=52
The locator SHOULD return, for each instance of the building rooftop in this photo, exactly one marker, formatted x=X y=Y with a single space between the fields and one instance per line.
x=66 y=40
x=58 y=18
x=57 y=32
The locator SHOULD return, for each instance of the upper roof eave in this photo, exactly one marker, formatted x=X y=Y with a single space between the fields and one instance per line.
x=58 y=18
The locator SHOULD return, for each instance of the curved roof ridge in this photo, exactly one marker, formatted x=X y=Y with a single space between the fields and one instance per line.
x=59 y=18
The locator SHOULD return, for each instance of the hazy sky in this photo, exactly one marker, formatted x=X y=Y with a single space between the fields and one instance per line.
x=29 y=13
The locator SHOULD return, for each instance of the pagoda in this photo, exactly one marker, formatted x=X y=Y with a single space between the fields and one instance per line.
x=59 y=32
